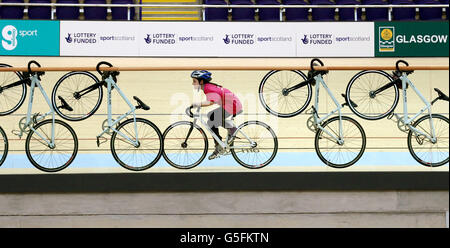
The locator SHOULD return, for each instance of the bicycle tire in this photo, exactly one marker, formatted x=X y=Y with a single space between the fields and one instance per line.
x=174 y=139
x=358 y=92
x=442 y=139
x=267 y=93
x=324 y=156
x=71 y=81
x=6 y=78
x=61 y=140
x=146 y=161
x=273 y=151
x=4 y=149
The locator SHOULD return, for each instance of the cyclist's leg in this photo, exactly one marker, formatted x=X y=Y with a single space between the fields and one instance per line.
x=230 y=126
x=214 y=121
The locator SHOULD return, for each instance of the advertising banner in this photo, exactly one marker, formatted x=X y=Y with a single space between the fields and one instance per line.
x=411 y=39
x=320 y=39
x=216 y=39
x=29 y=38
x=95 y=38
x=224 y=39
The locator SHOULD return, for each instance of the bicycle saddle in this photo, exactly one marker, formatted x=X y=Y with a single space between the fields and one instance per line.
x=442 y=96
x=141 y=104
x=64 y=104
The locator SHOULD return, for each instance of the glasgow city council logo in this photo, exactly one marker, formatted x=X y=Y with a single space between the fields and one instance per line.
x=386 y=39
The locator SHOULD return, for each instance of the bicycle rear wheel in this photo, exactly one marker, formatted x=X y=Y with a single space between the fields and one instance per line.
x=370 y=105
x=11 y=98
x=51 y=159
x=149 y=148
x=422 y=149
x=185 y=145
x=69 y=87
x=3 y=146
x=257 y=152
x=340 y=155
x=277 y=101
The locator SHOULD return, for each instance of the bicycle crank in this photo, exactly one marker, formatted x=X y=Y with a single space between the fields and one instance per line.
x=105 y=125
x=23 y=127
x=224 y=152
x=311 y=124
x=402 y=126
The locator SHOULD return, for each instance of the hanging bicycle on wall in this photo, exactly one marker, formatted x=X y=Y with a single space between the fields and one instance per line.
x=376 y=95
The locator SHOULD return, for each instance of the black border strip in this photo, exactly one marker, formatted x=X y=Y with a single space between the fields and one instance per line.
x=223 y=181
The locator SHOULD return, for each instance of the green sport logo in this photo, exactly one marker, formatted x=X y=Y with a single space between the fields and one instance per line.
x=386 y=39
x=29 y=38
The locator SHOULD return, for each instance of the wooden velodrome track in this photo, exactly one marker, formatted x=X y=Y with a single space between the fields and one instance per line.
x=168 y=93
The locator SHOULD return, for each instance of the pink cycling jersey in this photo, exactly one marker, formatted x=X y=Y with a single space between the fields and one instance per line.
x=216 y=93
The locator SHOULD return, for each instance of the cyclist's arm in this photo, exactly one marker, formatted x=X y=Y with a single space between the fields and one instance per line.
x=203 y=104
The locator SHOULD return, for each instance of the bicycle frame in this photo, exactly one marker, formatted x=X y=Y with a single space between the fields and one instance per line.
x=317 y=120
x=407 y=121
x=36 y=82
x=110 y=83
x=224 y=145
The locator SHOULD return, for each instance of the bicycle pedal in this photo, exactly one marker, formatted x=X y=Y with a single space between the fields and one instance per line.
x=17 y=133
x=101 y=142
x=420 y=139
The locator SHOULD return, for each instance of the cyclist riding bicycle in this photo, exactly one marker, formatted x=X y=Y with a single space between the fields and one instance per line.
x=216 y=94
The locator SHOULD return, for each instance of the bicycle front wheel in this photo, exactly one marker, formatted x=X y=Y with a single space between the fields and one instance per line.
x=345 y=154
x=254 y=145
x=185 y=145
x=11 y=97
x=3 y=146
x=423 y=150
x=277 y=100
x=372 y=100
x=51 y=158
x=74 y=88
x=146 y=153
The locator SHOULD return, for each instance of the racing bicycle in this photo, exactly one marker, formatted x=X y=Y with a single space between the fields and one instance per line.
x=136 y=143
x=51 y=145
x=376 y=95
x=253 y=145
x=339 y=141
